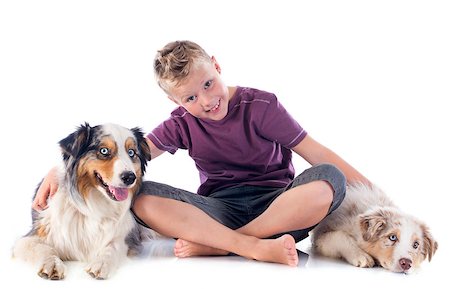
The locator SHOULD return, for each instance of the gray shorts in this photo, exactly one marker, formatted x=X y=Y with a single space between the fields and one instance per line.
x=235 y=207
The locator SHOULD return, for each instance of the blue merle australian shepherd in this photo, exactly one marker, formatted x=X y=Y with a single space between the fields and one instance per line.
x=89 y=219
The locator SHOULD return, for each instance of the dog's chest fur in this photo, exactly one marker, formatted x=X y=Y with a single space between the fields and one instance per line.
x=76 y=236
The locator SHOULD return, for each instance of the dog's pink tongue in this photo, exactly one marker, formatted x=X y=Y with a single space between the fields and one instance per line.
x=119 y=193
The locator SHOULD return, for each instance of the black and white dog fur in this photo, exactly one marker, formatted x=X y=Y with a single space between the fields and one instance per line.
x=368 y=229
x=89 y=219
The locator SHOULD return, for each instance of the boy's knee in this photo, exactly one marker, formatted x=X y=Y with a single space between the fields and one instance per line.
x=337 y=181
x=140 y=206
x=334 y=177
x=323 y=193
x=137 y=207
x=329 y=174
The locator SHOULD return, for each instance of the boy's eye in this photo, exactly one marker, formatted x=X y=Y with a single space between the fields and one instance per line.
x=208 y=83
x=191 y=98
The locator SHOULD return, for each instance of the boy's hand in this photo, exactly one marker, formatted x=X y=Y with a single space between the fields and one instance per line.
x=48 y=187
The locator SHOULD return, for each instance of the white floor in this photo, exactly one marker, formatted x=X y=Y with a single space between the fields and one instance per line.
x=156 y=267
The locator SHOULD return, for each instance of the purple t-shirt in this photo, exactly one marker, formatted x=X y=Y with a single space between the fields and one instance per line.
x=249 y=146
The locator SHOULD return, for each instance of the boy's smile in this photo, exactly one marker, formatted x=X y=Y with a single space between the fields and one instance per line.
x=215 y=108
x=202 y=93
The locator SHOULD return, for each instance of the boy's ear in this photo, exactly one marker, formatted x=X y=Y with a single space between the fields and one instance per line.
x=173 y=99
x=216 y=64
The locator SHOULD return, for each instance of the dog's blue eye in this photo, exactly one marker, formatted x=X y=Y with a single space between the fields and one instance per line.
x=131 y=153
x=416 y=245
x=104 y=151
x=393 y=238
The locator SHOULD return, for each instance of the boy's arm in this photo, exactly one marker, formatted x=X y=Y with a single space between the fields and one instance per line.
x=315 y=153
x=49 y=185
x=154 y=151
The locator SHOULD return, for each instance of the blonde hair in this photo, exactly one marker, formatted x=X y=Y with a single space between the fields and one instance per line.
x=174 y=62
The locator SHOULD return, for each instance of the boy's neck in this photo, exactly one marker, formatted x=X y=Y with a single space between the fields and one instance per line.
x=231 y=91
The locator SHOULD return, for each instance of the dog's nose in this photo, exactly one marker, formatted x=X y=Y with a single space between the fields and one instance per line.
x=128 y=177
x=405 y=263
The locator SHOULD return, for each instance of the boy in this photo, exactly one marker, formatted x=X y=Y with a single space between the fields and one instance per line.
x=241 y=140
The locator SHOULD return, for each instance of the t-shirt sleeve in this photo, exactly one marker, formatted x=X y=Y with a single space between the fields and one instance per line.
x=167 y=136
x=279 y=126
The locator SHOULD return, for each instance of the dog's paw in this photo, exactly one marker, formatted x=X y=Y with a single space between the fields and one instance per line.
x=362 y=260
x=52 y=268
x=98 y=269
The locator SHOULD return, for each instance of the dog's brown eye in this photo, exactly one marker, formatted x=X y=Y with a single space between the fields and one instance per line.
x=416 y=245
x=393 y=238
x=104 y=151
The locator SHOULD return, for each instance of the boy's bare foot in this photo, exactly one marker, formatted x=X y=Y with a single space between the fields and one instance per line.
x=281 y=250
x=183 y=249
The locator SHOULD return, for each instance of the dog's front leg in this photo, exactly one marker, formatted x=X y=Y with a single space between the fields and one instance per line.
x=33 y=249
x=338 y=244
x=107 y=260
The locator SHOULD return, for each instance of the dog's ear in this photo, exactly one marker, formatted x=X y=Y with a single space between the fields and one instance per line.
x=76 y=142
x=372 y=224
x=429 y=244
x=144 y=150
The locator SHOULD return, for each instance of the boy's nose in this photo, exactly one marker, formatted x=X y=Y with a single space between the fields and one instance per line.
x=207 y=102
x=209 y=106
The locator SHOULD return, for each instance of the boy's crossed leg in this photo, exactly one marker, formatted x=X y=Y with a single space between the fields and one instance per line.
x=298 y=208
x=184 y=221
x=199 y=234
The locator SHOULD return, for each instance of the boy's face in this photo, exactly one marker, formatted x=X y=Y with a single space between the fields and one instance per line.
x=202 y=93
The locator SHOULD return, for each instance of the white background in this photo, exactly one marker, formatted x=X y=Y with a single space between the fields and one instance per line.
x=369 y=79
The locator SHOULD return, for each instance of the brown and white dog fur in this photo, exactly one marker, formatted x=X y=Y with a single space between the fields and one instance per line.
x=89 y=219
x=368 y=229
